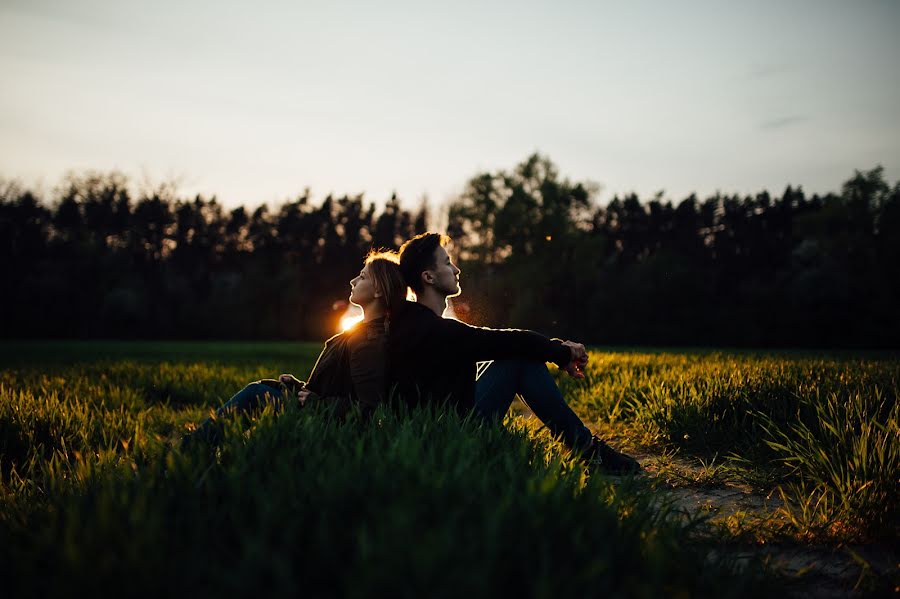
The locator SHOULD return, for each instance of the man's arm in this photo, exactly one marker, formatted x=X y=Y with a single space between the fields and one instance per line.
x=478 y=344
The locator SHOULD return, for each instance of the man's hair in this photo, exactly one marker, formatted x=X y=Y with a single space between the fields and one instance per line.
x=417 y=256
x=384 y=266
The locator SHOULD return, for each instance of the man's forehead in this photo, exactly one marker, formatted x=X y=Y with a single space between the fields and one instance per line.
x=440 y=253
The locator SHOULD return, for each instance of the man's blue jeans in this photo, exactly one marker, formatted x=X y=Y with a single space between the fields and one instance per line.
x=498 y=385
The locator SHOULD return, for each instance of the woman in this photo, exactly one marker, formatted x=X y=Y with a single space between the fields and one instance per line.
x=351 y=368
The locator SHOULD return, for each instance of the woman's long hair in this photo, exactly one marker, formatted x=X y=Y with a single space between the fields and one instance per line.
x=384 y=266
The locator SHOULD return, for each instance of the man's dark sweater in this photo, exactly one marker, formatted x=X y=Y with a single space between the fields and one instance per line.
x=432 y=359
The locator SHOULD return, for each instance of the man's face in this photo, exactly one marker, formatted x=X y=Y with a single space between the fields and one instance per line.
x=445 y=274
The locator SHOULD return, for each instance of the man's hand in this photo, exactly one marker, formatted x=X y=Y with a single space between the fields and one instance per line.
x=575 y=367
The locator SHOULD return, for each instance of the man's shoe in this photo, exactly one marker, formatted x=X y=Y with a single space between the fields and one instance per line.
x=602 y=457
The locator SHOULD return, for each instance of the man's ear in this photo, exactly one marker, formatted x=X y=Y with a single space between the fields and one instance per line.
x=427 y=277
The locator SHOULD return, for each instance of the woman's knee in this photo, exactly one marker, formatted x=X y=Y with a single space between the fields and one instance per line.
x=262 y=388
x=251 y=395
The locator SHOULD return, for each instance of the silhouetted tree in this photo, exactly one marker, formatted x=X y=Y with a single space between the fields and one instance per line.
x=537 y=251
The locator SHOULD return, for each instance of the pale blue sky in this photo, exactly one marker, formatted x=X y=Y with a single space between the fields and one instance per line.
x=254 y=101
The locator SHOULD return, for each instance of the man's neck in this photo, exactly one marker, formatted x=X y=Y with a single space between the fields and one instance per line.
x=432 y=300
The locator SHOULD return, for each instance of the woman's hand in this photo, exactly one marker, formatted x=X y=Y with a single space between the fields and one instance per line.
x=288 y=379
x=294 y=384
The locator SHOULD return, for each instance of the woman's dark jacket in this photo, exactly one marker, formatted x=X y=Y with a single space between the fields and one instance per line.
x=351 y=369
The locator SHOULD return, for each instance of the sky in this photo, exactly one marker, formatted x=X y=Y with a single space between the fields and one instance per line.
x=255 y=101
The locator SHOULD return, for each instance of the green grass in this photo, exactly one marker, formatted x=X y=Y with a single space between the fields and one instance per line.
x=414 y=505
x=823 y=430
x=279 y=354
x=93 y=497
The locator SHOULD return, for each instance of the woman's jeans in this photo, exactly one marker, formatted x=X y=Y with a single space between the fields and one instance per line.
x=252 y=398
x=498 y=384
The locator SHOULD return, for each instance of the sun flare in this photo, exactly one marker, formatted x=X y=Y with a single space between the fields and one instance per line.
x=353 y=314
x=349 y=321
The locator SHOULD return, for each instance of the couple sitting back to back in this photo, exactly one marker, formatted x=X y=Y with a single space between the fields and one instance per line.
x=409 y=351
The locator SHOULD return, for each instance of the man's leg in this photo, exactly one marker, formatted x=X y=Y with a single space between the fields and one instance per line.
x=253 y=397
x=498 y=385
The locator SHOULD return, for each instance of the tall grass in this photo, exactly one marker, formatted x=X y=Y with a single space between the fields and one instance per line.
x=96 y=500
x=844 y=454
x=93 y=497
x=827 y=428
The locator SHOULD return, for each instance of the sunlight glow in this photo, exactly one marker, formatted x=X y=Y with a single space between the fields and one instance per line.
x=354 y=314
x=349 y=321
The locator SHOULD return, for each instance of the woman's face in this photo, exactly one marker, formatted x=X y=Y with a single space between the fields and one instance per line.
x=362 y=288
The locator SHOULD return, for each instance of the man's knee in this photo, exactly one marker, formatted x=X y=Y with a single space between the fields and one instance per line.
x=530 y=366
x=517 y=365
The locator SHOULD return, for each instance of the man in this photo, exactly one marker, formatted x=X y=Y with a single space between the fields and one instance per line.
x=431 y=358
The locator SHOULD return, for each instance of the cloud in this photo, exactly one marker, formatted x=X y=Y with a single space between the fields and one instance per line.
x=782 y=122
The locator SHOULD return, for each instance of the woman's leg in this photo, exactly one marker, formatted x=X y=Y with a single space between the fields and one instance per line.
x=498 y=385
x=252 y=398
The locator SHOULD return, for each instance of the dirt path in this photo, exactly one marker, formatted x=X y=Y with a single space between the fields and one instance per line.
x=734 y=510
x=809 y=570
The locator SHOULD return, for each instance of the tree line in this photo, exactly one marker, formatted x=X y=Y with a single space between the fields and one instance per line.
x=97 y=262
x=537 y=250
x=760 y=270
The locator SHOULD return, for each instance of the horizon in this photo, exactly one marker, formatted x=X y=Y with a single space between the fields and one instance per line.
x=50 y=195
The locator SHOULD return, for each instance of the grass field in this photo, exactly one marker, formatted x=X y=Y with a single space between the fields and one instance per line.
x=94 y=497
